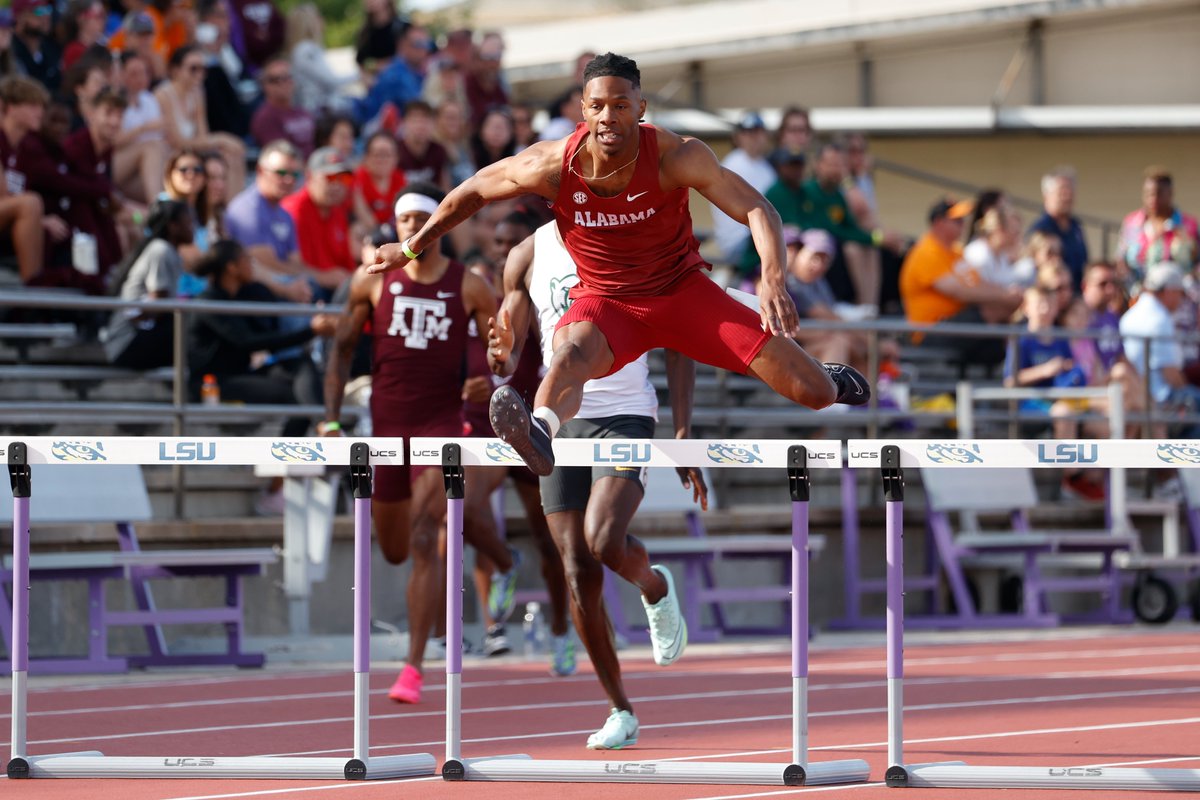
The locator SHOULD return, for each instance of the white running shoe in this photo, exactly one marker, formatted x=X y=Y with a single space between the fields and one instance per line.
x=668 y=631
x=620 y=730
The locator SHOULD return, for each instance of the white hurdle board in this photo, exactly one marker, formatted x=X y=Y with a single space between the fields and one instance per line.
x=762 y=454
x=892 y=457
x=358 y=454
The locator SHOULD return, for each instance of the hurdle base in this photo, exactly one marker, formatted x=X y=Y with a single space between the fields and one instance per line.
x=747 y=773
x=961 y=776
x=97 y=765
x=897 y=775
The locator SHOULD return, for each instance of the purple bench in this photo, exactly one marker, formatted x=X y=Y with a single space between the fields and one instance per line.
x=75 y=494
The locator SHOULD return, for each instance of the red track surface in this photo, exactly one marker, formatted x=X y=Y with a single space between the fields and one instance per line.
x=1116 y=697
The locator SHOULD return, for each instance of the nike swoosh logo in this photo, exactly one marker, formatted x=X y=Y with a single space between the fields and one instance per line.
x=444 y=295
x=631 y=197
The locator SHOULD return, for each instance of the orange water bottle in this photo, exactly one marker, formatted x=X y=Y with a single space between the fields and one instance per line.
x=210 y=392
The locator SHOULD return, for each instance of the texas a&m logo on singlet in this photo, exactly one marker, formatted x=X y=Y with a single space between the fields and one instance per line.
x=419 y=319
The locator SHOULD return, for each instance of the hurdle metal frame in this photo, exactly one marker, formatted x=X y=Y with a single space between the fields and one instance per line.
x=891 y=459
x=797 y=457
x=223 y=452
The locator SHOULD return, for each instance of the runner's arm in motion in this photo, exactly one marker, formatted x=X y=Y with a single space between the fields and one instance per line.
x=681 y=383
x=508 y=329
x=349 y=330
x=535 y=170
x=690 y=163
x=479 y=299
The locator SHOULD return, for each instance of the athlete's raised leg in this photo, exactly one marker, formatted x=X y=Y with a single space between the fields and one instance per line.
x=789 y=370
x=393 y=527
x=606 y=524
x=428 y=510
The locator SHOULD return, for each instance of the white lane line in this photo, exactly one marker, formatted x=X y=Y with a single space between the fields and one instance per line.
x=816 y=687
x=329 y=787
x=1064 y=698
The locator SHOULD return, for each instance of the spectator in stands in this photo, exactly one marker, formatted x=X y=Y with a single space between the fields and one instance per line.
x=8 y=60
x=141 y=149
x=225 y=78
x=21 y=224
x=859 y=186
x=421 y=158
x=985 y=201
x=522 y=121
x=95 y=211
x=1058 y=220
x=256 y=220
x=36 y=52
x=1044 y=361
x=375 y=44
x=993 y=254
x=377 y=181
x=232 y=347
x=137 y=34
x=450 y=132
x=1039 y=250
x=143 y=339
x=400 y=81
x=322 y=225
x=935 y=289
x=278 y=117
x=494 y=139
x=566 y=111
x=184 y=113
x=809 y=256
x=446 y=76
x=795 y=130
x=262 y=31
x=826 y=207
x=317 y=86
x=144 y=22
x=1055 y=277
x=786 y=194
x=483 y=83
x=1150 y=317
x=82 y=27
x=748 y=160
x=1156 y=232
x=216 y=189
x=93 y=71
x=185 y=180
x=337 y=131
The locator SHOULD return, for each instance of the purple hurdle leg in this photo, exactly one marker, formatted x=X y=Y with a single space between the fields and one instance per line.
x=453 y=768
x=893 y=484
x=800 y=633
x=18 y=468
x=360 y=477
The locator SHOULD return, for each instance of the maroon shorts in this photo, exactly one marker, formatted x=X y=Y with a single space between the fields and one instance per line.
x=696 y=318
x=394 y=484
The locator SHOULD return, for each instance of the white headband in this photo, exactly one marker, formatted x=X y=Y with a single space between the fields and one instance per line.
x=415 y=202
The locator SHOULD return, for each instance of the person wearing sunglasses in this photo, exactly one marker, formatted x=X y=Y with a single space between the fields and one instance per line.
x=279 y=117
x=322 y=224
x=38 y=55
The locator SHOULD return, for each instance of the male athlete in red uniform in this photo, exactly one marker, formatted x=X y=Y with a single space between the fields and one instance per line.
x=419 y=321
x=619 y=191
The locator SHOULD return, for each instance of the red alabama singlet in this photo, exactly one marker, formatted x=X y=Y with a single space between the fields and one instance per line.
x=636 y=244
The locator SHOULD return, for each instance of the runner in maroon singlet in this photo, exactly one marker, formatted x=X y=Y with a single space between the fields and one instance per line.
x=419 y=333
x=481 y=383
x=619 y=191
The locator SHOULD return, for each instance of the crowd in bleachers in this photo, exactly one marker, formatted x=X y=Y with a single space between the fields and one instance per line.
x=177 y=148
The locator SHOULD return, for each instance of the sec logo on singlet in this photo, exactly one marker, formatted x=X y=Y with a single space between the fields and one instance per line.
x=580 y=198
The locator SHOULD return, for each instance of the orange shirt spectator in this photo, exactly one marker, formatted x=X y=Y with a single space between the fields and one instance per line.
x=933 y=256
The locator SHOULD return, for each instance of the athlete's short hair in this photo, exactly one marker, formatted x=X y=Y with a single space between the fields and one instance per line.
x=611 y=65
x=431 y=190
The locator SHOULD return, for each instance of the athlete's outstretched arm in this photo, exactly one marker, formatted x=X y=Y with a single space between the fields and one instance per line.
x=508 y=329
x=694 y=165
x=535 y=170
x=681 y=384
x=349 y=330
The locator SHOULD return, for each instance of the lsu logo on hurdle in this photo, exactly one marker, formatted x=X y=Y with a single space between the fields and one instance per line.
x=502 y=453
x=730 y=453
x=950 y=453
x=79 y=452
x=298 y=452
x=1178 y=453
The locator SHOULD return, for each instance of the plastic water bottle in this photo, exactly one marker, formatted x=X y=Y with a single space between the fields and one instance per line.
x=210 y=392
x=535 y=629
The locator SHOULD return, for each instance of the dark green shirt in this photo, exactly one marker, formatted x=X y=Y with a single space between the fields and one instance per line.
x=828 y=210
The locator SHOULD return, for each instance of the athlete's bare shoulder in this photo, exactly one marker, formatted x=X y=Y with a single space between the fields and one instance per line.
x=684 y=161
x=364 y=288
x=539 y=167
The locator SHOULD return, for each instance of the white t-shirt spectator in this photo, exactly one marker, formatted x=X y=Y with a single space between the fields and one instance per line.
x=142 y=109
x=996 y=267
x=732 y=237
x=1149 y=317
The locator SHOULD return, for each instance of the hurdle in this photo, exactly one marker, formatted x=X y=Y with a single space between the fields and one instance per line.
x=892 y=459
x=796 y=456
x=249 y=451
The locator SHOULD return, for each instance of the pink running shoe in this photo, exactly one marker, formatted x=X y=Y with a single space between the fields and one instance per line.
x=407 y=688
